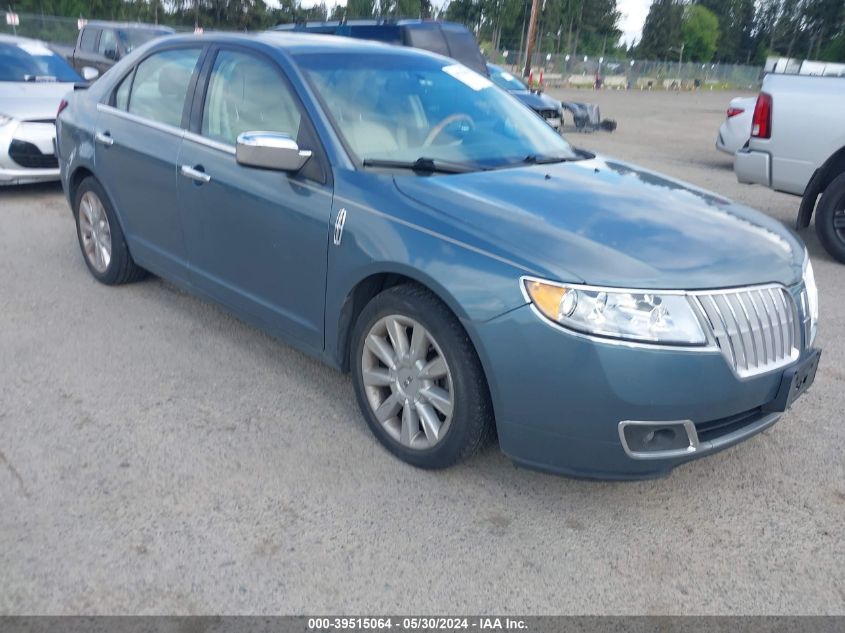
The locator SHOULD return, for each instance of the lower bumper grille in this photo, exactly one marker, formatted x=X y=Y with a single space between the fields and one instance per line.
x=714 y=429
x=29 y=156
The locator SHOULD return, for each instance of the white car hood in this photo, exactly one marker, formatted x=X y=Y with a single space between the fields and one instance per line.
x=32 y=101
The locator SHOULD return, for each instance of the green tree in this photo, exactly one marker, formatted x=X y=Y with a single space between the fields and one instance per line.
x=360 y=8
x=700 y=32
x=662 y=30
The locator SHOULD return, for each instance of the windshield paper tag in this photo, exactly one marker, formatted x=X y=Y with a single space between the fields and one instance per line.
x=467 y=76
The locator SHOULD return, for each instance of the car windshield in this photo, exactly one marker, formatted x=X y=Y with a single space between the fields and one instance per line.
x=403 y=107
x=132 y=39
x=33 y=61
x=505 y=80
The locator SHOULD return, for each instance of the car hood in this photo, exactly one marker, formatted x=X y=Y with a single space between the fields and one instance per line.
x=536 y=101
x=604 y=222
x=32 y=101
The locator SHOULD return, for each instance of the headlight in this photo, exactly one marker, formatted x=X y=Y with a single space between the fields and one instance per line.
x=812 y=297
x=4 y=119
x=618 y=313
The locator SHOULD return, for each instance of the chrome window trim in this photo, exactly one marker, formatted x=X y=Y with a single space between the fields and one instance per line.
x=202 y=140
x=156 y=125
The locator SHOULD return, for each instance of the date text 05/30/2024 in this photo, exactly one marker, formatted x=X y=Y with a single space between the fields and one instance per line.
x=417 y=623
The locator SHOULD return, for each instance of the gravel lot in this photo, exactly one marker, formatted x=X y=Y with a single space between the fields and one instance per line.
x=158 y=456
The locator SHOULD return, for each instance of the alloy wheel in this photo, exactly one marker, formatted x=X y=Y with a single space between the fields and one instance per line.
x=408 y=382
x=95 y=232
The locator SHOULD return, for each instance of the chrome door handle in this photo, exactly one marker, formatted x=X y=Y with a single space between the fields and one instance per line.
x=104 y=138
x=195 y=174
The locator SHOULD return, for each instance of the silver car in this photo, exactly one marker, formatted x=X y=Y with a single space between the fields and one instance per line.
x=33 y=80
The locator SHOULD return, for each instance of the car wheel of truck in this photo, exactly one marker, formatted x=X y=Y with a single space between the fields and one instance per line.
x=100 y=237
x=418 y=380
x=830 y=218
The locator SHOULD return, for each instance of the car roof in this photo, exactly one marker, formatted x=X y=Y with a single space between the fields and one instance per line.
x=102 y=24
x=17 y=39
x=297 y=42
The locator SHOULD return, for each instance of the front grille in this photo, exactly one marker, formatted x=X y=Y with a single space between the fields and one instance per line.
x=757 y=329
x=29 y=156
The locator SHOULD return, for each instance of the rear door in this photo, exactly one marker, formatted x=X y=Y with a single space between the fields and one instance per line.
x=138 y=138
x=257 y=239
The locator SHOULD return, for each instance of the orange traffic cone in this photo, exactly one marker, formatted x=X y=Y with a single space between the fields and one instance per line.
x=541 y=79
x=531 y=80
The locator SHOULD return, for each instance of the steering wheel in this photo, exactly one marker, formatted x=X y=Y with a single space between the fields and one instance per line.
x=437 y=130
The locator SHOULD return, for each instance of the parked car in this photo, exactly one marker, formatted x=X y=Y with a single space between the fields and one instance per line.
x=100 y=44
x=736 y=128
x=541 y=103
x=444 y=38
x=797 y=145
x=470 y=268
x=33 y=80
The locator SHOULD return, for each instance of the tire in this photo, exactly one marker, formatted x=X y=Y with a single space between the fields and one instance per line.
x=97 y=228
x=830 y=218
x=466 y=417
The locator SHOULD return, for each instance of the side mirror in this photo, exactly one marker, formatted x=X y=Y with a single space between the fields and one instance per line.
x=89 y=73
x=270 y=150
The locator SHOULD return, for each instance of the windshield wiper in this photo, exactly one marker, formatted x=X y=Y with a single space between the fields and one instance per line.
x=543 y=159
x=422 y=164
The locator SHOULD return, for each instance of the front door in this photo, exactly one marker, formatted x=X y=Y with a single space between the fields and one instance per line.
x=256 y=238
x=138 y=138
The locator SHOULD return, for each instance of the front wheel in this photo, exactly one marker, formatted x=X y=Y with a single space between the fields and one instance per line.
x=830 y=218
x=418 y=379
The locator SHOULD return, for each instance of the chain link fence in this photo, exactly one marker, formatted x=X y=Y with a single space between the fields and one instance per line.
x=565 y=71
x=558 y=70
x=52 y=29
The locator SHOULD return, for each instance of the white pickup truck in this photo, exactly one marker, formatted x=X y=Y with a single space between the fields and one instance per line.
x=797 y=145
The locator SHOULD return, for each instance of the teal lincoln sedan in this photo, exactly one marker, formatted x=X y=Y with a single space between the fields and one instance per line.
x=398 y=216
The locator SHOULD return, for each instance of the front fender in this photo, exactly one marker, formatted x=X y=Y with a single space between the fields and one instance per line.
x=476 y=284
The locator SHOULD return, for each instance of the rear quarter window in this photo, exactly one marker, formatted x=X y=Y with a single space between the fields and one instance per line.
x=463 y=47
x=428 y=38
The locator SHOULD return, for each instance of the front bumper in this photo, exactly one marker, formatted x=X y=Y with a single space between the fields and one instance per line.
x=38 y=137
x=753 y=167
x=559 y=399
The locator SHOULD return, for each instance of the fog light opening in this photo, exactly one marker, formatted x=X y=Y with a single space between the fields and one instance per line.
x=660 y=438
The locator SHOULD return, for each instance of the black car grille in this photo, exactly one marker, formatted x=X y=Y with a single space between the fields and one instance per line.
x=29 y=156
x=714 y=429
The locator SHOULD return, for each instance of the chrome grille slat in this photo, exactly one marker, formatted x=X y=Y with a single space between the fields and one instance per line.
x=756 y=329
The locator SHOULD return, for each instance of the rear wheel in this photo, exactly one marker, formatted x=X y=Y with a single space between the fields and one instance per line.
x=418 y=379
x=830 y=218
x=101 y=238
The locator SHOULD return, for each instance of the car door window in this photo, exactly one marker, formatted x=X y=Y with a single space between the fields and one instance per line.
x=246 y=93
x=161 y=83
x=108 y=44
x=88 y=42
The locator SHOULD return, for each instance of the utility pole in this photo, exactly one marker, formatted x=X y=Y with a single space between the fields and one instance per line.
x=532 y=34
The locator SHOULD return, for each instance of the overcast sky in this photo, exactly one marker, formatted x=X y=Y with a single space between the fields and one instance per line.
x=633 y=14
